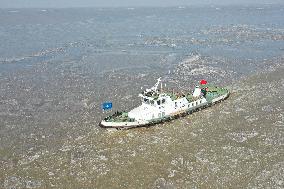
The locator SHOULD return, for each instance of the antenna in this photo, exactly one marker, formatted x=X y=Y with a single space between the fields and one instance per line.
x=155 y=87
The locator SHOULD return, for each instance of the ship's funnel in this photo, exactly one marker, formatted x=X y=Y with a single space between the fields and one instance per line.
x=197 y=92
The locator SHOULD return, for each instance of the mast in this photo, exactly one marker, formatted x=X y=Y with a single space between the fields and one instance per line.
x=155 y=87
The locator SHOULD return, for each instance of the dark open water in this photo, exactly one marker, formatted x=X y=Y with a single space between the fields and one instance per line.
x=58 y=65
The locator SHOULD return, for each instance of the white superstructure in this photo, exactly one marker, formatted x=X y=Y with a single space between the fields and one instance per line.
x=156 y=105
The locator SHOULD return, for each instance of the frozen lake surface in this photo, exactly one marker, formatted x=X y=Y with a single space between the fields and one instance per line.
x=58 y=65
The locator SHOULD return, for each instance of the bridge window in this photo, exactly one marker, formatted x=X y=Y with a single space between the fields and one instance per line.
x=146 y=101
x=163 y=101
x=158 y=102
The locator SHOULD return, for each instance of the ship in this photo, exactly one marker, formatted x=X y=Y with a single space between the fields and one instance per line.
x=159 y=106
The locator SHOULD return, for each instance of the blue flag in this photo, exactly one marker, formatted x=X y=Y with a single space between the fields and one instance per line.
x=107 y=105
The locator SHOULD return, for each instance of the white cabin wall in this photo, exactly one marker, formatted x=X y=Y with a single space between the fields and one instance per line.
x=146 y=111
x=182 y=104
x=169 y=106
